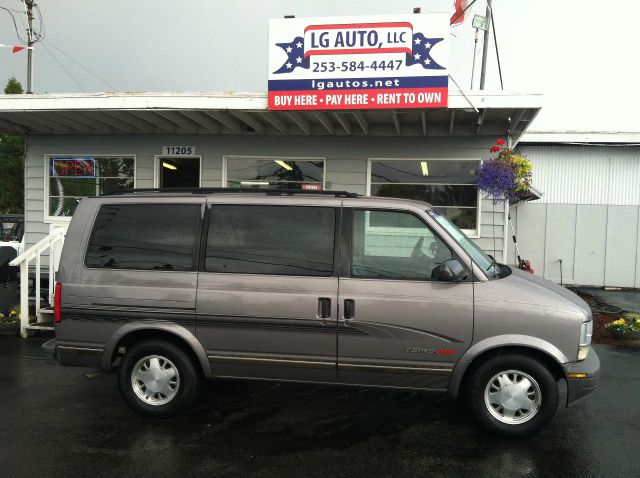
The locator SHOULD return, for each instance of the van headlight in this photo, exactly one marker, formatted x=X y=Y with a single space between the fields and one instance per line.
x=586 y=331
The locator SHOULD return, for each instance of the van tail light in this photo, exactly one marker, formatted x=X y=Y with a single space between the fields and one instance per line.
x=57 y=304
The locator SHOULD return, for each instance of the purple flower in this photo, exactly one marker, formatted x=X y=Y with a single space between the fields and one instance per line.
x=497 y=180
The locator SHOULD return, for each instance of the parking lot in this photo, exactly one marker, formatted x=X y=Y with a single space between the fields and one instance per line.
x=54 y=421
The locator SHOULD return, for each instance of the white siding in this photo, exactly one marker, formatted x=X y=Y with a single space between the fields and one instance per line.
x=571 y=174
x=599 y=244
x=588 y=217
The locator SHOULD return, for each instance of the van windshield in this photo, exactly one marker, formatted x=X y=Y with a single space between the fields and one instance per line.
x=481 y=258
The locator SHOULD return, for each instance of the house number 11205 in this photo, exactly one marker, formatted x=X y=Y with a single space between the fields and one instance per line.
x=178 y=150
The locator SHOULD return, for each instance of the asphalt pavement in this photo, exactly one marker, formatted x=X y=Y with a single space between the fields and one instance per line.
x=56 y=422
x=627 y=300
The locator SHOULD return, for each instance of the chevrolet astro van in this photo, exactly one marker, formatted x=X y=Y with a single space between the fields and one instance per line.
x=173 y=287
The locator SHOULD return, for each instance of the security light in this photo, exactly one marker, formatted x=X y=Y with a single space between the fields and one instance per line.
x=168 y=165
x=425 y=168
x=480 y=23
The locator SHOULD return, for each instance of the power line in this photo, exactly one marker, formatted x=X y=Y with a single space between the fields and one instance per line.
x=42 y=30
x=81 y=65
x=13 y=10
x=15 y=25
x=495 y=41
x=63 y=67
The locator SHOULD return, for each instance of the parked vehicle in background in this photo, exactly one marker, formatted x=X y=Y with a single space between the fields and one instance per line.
x=329 y=288
x=11 y=234
x=11 y=229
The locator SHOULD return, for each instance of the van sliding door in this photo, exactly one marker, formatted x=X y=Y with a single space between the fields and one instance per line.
x=267 y=290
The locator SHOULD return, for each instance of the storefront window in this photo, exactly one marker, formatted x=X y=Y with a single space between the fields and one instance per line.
x=449 y=185
x=275 y=173
x=73 y=178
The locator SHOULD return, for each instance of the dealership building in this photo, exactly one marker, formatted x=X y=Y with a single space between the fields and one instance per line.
x=583 y=229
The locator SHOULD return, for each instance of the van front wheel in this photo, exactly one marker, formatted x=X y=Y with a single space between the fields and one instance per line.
x=513 y=395
x=157 y=379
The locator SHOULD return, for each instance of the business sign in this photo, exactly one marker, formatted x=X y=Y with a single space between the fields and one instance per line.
x=74 y=167
x=397 y=61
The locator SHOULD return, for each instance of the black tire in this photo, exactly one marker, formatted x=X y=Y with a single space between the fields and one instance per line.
x=548 y=398
x=186 y=388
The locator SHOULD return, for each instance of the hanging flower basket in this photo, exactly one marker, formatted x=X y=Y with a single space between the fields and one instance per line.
x=506 y=175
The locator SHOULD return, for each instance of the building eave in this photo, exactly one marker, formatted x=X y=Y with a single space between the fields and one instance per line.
x=472 y=113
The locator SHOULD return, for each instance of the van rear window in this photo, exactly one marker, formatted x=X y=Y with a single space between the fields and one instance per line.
x=144 y=237
x=278 y=240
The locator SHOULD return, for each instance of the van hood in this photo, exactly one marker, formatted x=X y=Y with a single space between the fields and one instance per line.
x=536 y=289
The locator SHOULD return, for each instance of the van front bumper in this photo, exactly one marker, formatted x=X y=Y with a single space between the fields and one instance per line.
x=579 y=387
x=73 y=356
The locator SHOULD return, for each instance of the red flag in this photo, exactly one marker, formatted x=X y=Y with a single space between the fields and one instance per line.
x=458 y=16
x=16 y=49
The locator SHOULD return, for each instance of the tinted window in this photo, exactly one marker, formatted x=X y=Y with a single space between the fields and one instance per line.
x=284 y=240
x=403 y=249
x=144 y=236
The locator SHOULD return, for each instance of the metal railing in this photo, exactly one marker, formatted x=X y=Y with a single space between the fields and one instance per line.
x=50 y=244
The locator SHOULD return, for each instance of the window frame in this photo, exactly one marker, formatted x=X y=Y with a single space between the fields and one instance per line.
x=337 y=239
x=197 y=240
x=156 y=167
x=471 y=233
x=227 y=157
x=47 y=219
x=346 y=246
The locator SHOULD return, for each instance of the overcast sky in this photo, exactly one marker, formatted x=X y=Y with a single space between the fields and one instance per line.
x=581 y=54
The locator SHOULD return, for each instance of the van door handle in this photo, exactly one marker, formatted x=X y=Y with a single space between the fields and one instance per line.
x=349 y=309
x=324 y=308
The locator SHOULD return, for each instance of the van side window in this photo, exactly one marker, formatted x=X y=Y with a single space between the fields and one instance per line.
x=281 y=240
x=395 y=245
x=144 y=237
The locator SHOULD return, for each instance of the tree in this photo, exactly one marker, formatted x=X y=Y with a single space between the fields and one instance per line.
x=13 y=87
x=12 y=164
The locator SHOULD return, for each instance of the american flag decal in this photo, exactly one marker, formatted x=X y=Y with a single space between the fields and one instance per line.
x=295 y=56
x=421 y=54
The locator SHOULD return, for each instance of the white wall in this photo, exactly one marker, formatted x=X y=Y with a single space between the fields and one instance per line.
x=589 y=215
x=574 y=174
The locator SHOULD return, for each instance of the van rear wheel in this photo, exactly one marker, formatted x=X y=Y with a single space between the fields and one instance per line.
x=513 y=395
x=158 y=379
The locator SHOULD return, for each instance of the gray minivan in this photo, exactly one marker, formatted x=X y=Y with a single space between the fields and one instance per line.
x=308 y=286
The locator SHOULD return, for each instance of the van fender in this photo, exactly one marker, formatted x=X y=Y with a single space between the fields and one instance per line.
x=509 y=340
x=171 y=328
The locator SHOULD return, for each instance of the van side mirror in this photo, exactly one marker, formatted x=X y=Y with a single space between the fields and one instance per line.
x=452 y=271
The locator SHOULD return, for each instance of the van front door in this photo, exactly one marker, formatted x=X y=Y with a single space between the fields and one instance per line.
x=267 y=291
x=398 y=325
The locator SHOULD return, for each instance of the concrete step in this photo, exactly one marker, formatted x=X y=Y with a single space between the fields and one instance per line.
x=40 y=326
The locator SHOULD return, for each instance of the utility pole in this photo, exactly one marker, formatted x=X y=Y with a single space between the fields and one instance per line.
x=485 y=46
x=30 y=42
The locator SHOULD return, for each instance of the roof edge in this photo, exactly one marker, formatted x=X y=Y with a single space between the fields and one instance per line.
x=227 y=100
x=586 y=137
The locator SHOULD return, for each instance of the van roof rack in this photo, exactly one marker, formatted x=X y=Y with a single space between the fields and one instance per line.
x=268 y=192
